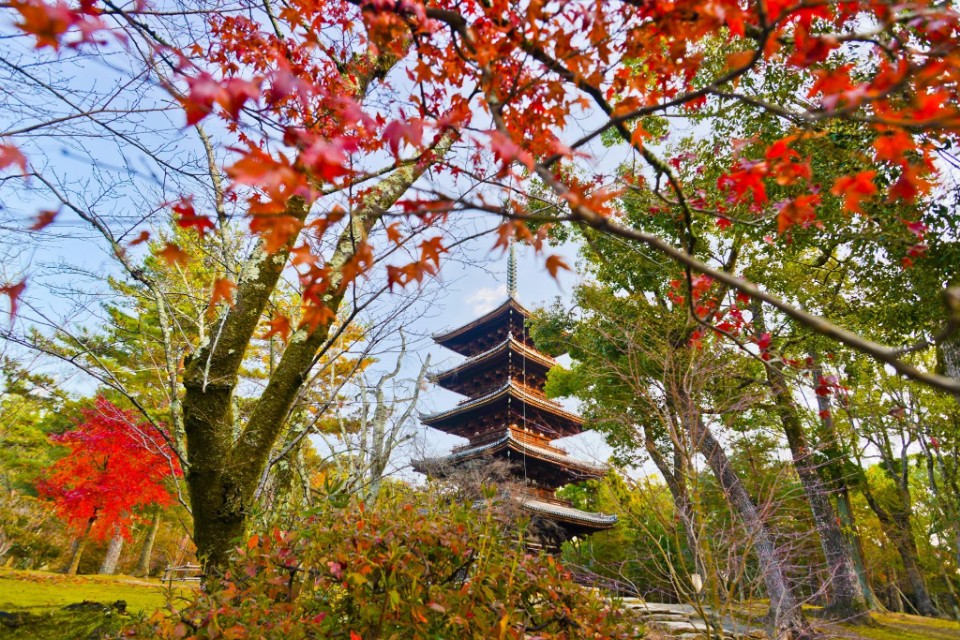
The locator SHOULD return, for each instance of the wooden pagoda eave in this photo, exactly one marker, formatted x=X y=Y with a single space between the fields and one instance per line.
x=583 y=520
x=477 y=362
x=451 y=338
x=565 y=466
x=569 y=423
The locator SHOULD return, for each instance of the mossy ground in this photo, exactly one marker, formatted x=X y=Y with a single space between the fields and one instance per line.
x=900 y=626
x=882 y=626
x=33 y=604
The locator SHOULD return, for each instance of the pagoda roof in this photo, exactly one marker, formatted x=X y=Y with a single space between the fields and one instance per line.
x=573 y=468
x=454 y=377
x=563 y=513
x=460 y=338
x=567 y=423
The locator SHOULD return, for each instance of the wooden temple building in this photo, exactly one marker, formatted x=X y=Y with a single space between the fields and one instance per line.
x=507 y=416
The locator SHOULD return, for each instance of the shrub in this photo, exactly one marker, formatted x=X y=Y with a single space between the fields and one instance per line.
x=401 y=569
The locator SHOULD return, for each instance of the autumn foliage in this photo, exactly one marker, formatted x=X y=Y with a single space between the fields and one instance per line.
x=507 y=78
x=114 y=467
x=411 y=566
x=353 y=136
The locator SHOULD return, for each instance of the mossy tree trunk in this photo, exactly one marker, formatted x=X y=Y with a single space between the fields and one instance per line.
x=786 y=614
x=110 y=559
x=225 y=468
x=844 y=595
x=896 y=523
x=76 y=551
x=834 y=473
x=845 y=513
x=146 y=551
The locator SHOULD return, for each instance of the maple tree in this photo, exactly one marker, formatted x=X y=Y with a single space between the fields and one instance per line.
x=474 y=102
x=115 y=466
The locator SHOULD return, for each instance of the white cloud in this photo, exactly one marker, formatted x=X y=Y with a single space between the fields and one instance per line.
x=486 y=298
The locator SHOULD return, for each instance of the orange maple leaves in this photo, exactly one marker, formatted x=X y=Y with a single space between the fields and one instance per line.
x=10 y=156
x=428 y=264
x=855 y=189
x=223 y=289
x=51 y=23
x=174 y=255
x=800 y=211
x=529 y=68
x=13 y=291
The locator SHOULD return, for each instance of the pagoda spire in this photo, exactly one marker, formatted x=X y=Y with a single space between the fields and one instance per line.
x=512 y=270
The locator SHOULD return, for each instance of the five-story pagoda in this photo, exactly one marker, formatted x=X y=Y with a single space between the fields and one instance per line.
x=506 y=415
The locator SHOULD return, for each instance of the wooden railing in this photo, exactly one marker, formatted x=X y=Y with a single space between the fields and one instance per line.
x=544 y=495
x=535 y=439
x=183 y=573
x=526 y=437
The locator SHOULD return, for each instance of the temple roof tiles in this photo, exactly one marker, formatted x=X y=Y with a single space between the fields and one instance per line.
x=513 y=390
x=509 y=304
x=582 y=467
x=562 y=512
x=510 y=343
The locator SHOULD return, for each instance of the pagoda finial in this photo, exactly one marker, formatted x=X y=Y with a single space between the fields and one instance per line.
x=512 y=271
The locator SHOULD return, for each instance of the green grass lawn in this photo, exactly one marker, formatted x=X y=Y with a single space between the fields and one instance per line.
x=900 y=626
x=33 y=604
x=883 y=626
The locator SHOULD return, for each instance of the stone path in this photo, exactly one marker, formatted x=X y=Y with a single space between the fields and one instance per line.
x=683 y=622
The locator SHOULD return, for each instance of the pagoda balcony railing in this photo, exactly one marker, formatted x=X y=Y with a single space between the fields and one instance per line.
x=527 y=389
x=533 y=391
x=541 y=495
x=535 y=439
x=516 y=433
x=479 y=440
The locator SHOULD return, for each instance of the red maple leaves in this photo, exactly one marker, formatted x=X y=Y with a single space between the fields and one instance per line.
x=855 y=189
x=530 y=72
x=115 y=466
x=188 y=218
x=55 y=24
x=10 y=156
x=13 y=291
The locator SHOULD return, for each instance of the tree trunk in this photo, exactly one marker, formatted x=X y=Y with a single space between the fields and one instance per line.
x=785 y=612
x=109 y=565
x=834 y=475
x=947 y=501
x=948 y=351
x=844 y=597
x=79 y=544
x=893 y=594
x=906 y=545
x=896 y=525
x=146 y=552
x=676 y=481
x=225 y=469
x=845 y=511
